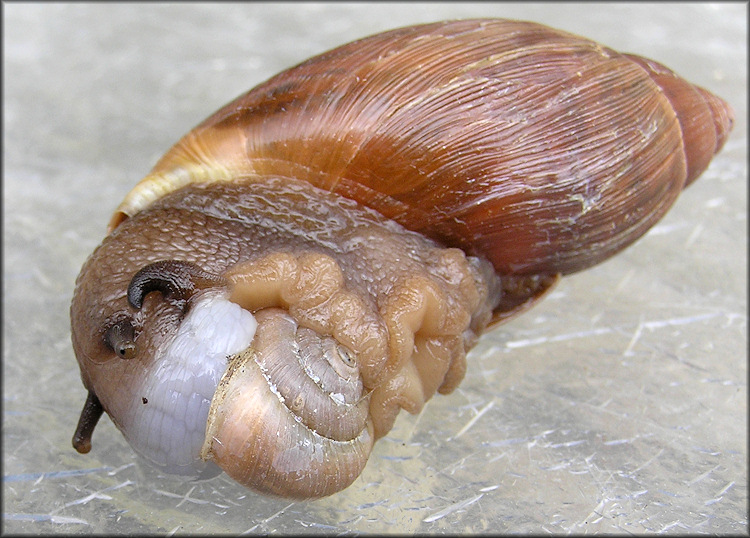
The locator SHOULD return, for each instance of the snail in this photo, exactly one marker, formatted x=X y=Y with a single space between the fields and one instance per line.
x=323 y=251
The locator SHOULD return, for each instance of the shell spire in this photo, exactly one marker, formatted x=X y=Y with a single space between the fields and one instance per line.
x=705 y=119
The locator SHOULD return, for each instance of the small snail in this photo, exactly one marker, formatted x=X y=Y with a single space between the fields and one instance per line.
x=323 y=251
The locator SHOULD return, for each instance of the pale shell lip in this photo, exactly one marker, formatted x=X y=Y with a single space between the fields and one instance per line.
x=190 y=161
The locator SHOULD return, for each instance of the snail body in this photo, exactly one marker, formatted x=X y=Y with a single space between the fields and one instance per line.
x=323 y=251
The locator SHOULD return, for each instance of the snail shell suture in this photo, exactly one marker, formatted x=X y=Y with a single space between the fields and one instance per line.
x=323 y=251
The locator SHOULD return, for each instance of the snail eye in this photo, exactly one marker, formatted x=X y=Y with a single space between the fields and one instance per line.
x=120 y=337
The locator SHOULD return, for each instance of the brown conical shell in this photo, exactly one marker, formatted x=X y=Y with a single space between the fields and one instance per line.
x=537 y=149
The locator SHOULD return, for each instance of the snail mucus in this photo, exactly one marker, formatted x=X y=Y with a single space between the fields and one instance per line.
x=323 y=251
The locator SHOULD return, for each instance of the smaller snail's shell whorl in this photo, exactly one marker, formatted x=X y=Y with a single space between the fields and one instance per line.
x=705 y=120
x=289 y=416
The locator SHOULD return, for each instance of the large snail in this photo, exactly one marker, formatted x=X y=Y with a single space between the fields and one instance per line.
x=323 y=251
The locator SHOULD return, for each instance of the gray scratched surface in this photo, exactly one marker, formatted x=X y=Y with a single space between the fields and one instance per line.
x=617 y=405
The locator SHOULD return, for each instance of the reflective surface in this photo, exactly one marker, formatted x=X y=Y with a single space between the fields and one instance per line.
x=619 y=404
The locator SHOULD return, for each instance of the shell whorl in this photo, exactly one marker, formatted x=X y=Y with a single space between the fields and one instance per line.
x=290 y=416
x=705 y=120
x=542 y=151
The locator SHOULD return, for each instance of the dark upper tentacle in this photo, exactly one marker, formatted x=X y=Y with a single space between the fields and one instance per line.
x=173 y=278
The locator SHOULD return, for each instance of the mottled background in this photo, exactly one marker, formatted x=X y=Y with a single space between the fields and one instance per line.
x=617 y=405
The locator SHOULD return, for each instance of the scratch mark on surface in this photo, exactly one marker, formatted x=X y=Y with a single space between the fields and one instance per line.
x=702 y=476
x=649 y=462
x=410 y=435
x=38 y=518
x=662 y=229
x=367 y=506
x=595 y=512
x=670 y=526
x=617 y=442
x=556 y=467
x=507 y=442
x=693 y=235
x=269 y=518
x=24 y=477
x=452 y=508
x=397 y=458
x=99 y=495
x=559 y=338
x=720 y=494
x=670 y=322
x=651 y=325
x=473 y=420
x=708 y=451
x=567 y=444
x=187 y=498
x=315 y=525
x=726 y=488
x=623 y=282
x=636 y=336
x=120 y=468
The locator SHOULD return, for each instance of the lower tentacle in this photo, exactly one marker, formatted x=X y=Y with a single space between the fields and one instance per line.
x=90 y=415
